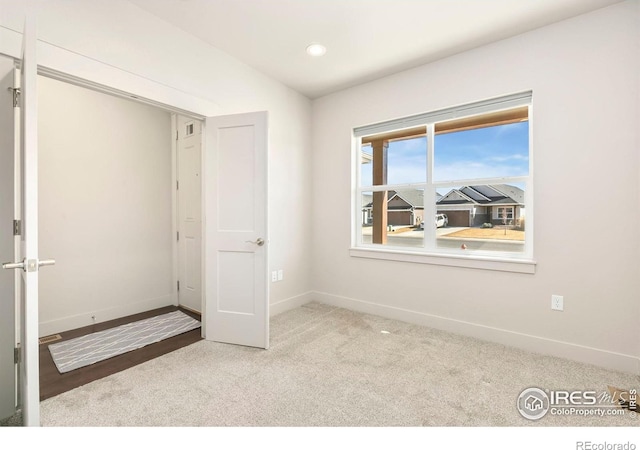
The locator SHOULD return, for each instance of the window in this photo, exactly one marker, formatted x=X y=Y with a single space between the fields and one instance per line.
x=504 y=214
x=453 y=182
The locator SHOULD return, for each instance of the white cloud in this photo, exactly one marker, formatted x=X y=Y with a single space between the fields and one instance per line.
x=506 y=158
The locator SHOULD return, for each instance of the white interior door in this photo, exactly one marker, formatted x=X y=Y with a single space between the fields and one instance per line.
x=237 y=296
x=189 y=188
x=30 y=370
x=27 y=261
x=7 y=290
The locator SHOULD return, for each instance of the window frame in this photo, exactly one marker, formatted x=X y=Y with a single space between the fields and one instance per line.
x=522 y=262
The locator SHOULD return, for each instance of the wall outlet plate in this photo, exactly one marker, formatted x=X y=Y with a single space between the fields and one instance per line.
x=274 y=275
x=557 y=302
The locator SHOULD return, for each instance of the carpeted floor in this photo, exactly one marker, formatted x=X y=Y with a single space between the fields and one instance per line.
x=329 y=366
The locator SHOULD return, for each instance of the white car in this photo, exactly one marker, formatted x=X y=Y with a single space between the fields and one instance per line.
x=441 y=221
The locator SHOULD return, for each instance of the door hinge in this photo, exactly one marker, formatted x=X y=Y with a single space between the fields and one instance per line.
x=177 y=184
x=17 y=355
x=16 y=96
x=176 y=135
x=17 y=227
x=177 y=235
x=178 y=285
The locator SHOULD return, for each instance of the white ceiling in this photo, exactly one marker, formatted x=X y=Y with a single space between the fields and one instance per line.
x=365 y=39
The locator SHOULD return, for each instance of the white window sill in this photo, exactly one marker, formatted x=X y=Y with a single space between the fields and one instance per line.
x=466 y=261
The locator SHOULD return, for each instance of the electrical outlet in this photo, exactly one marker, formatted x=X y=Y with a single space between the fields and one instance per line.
x=280 y=275
x=557 y=302
x=274 y=275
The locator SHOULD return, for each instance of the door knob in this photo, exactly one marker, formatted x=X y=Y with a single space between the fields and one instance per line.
x=259 y=242
x=30 y=265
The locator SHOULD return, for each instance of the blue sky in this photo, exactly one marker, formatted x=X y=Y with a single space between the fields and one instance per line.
x=483 y=153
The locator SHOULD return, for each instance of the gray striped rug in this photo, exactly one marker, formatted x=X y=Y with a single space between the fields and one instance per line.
x=89 y=349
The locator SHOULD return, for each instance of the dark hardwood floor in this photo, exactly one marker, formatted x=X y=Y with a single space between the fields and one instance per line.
x=53 y=382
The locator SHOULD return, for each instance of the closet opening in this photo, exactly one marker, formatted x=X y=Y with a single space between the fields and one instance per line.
x=120 y=206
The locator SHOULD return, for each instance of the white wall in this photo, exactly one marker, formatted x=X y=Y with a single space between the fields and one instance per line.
x=584 y=76
x=105 y=206
x=119 y=45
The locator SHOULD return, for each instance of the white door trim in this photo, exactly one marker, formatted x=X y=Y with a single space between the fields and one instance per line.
x=8 y=281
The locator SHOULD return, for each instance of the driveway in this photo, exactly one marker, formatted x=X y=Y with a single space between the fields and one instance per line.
x=414 y=238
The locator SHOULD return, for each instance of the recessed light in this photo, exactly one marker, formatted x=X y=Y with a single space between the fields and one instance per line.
x=316 y=49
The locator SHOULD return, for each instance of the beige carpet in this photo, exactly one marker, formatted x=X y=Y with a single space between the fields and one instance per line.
x=333 y=367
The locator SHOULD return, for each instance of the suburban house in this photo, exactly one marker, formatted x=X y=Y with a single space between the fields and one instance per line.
x=468 y=206
x=404 y=207
x=472 y=206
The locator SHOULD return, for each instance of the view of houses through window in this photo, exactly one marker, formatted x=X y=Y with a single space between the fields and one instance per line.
x=457 y=185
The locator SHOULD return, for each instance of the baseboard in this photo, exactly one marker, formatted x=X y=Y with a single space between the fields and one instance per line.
x=190 y=309
x=598 y=357
x=102 y=315
x=290 y=303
